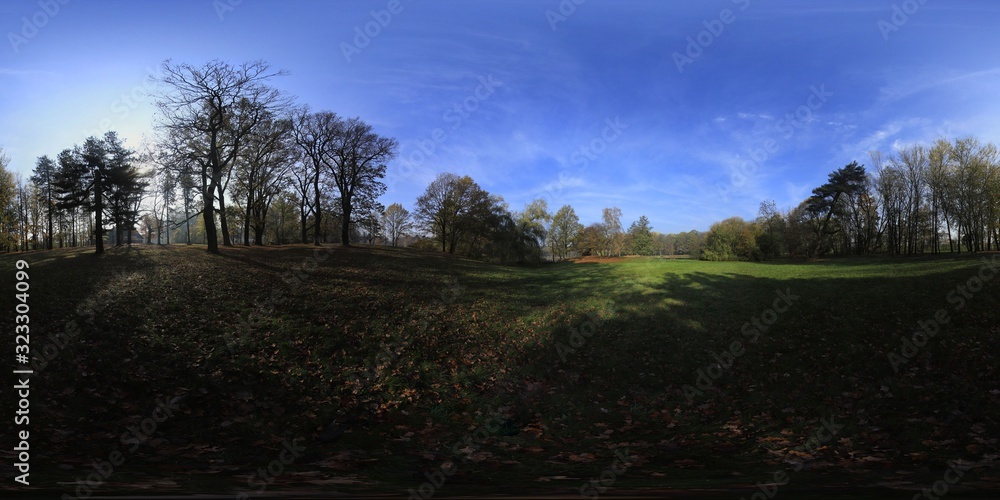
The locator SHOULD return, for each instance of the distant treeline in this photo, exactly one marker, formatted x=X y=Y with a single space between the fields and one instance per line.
x=942 y=198
x=234 y=159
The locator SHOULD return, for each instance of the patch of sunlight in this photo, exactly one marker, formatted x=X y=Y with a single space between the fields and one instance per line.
x=694 y=325
x=671 y=302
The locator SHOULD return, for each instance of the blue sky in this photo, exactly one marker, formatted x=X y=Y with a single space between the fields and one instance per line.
x=686 y=112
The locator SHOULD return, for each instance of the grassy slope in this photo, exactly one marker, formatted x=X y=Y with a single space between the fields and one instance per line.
x=470 y=344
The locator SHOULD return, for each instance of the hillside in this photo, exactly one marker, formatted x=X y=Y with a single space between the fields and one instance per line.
x=381 y=366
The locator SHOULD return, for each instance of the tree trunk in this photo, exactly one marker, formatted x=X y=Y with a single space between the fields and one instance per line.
x=345 y=225
x=303 y=219
x=246 y=220
x=98 y=211
x=317 y=209
x=226 y=239
x=50 y=217
x=211 y=238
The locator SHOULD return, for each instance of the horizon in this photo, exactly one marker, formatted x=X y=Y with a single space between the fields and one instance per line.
x=685 y=113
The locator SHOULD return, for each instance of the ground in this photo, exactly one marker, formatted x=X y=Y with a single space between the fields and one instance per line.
x=379 y=370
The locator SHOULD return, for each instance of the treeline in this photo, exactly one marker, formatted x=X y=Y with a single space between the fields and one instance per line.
x=942 y=198
x=234 y=159
x=461 y=217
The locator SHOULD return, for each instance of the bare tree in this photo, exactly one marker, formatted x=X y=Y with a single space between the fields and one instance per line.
x=357 y=166
x=8 y=193
x=219 y=105
x=614 y=236
x=314 y=134
x=395 y=222
x=261 y=174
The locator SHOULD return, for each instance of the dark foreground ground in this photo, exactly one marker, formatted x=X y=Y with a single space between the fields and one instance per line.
x=294 y=372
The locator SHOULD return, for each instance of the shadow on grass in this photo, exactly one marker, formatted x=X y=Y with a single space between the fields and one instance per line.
x=496 y=344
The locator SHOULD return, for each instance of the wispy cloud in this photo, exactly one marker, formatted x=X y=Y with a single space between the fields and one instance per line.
x=900 y=87
x=27 y=73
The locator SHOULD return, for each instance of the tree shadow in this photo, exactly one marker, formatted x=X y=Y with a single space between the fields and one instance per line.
x=668 y=350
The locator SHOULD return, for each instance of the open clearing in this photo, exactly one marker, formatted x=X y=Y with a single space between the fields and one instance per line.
x=387 y=366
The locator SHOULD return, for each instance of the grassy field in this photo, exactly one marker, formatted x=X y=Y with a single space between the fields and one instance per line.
x=378 y=369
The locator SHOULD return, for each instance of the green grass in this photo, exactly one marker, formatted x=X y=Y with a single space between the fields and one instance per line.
x=464 y=343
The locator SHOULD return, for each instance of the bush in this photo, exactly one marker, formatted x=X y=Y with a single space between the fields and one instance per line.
x=732 y=239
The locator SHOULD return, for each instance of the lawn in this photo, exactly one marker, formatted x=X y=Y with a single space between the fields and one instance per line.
x=374 y=369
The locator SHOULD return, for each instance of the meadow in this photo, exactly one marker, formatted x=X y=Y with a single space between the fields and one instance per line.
x=375 y=369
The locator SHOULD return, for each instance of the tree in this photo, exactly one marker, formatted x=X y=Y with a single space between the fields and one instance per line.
x=532 y=223
x=101 y=178
x=640 y=235
x=357 y=163
x=974 y=171
x=825 y=200
x=261 y=173
x=8 y=215
x=282 y=218
x=511 y=237
x=92 y=158
x=938 y=181
x=563 y=231
x=149 y=223
x=218 y=106
x=314 y=135
x=771 y=241
x=732 y=239
x=614 y=237
x=395 y=222
x=166 y=184
x=72 y=194
x=689 y=243
x=453 y=207
x=44 y=178
x=123 y=185
x=178 y=159
x=592 y=240
x=31 y=213
x=369 y=224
